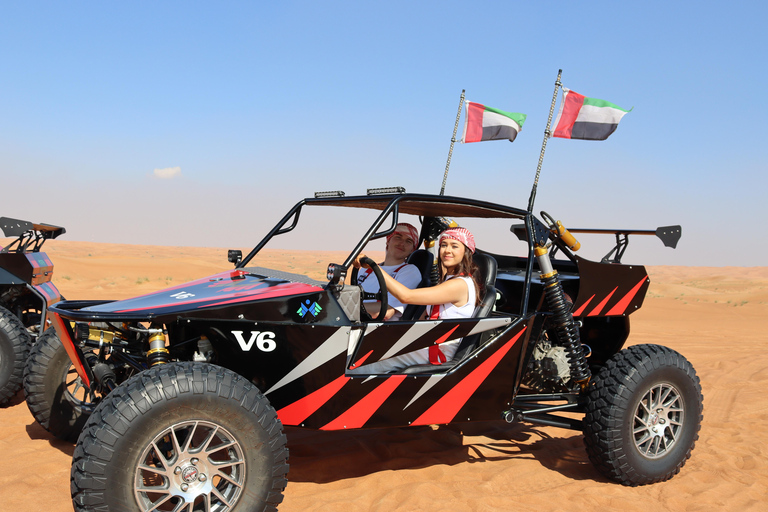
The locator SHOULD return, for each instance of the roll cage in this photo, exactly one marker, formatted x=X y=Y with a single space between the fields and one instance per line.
x=430 y=208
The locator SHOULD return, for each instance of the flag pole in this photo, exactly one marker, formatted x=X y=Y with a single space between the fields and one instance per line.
x=453 y=140
x=547 y=135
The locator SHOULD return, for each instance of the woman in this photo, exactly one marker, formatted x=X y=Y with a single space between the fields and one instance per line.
x=455 y=296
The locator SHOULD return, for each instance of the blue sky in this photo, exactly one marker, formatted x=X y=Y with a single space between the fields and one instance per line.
x=249 y=106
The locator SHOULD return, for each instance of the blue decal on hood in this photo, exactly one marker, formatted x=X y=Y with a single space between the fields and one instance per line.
x=305 y=308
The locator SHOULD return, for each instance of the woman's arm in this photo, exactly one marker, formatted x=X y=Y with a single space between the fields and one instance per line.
x=453 y=291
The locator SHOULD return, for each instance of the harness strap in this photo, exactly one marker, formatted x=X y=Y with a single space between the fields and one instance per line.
x=436 y=356
x=368 y=271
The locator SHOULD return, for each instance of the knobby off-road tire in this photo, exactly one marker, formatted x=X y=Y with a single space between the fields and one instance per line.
x=55 y=394
x=180 y=433
x=14 y=348
x=644 y=412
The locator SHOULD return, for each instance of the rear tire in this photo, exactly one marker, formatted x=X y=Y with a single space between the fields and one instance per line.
x=55 y=395
x=14 y=348
x=644 y=413
x=181 y=433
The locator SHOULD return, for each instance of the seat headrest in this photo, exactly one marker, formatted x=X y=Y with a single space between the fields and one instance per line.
x=422 y=259
x=486 y=266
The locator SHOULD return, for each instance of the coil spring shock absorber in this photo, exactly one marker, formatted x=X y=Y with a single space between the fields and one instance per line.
x=157 y=353
x=567 y=330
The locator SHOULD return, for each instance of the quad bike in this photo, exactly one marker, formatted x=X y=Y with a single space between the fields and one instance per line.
x=26 y=292
x=197 y=381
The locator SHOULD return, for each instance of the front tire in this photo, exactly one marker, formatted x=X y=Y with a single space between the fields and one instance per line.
x=14 y=348
x=644 y=413
x=55 y=395
x=181 y=434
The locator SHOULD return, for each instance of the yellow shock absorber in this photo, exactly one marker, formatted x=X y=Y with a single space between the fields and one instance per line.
x=566 y=329
x=568 y=239
x=157 y=353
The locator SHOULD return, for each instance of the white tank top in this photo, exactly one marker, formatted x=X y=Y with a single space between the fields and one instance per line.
x=448 y=310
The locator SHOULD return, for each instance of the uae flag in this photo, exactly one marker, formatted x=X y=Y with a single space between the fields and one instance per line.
x=586 y=118
x=486 y=123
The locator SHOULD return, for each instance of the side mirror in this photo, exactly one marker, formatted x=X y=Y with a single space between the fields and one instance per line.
x=235 y=256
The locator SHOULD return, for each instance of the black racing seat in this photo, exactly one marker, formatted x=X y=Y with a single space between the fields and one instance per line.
x=423 y=260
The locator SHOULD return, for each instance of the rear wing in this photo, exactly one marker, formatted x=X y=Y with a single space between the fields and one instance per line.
x=30 y=236
x=669 y=235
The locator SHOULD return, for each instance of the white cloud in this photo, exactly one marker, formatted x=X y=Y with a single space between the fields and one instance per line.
x=167 y=173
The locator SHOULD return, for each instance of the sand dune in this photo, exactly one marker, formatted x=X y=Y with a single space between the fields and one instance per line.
x=713 y=316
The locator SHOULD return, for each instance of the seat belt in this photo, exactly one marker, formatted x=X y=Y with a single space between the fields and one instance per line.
x=436 y=355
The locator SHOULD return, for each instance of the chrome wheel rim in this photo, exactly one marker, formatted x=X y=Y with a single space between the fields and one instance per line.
x=658 y=421
x=190 y=466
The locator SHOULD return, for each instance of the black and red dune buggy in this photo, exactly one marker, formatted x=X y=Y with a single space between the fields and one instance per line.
x=26 y=291
x=223 y=363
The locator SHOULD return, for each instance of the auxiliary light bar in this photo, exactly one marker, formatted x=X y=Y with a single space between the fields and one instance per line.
x=330 y=193
x=387 y=190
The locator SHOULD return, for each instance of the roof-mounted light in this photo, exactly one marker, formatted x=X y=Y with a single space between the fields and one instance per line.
x=386 y=190
x=330 y=193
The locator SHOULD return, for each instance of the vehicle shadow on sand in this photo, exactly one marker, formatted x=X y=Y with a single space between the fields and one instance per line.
x=322 y=457
x=36 y=432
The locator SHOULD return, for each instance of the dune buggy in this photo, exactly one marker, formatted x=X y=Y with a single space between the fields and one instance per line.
x=26 y=291
x=223 y=363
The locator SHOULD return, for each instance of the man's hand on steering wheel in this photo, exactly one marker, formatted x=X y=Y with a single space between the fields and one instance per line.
x=363 y=261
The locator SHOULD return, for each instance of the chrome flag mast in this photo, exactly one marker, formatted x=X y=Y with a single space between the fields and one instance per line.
x=547 y=134
x=453 y=141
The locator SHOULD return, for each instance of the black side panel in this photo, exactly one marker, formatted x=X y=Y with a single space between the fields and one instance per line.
x=17 y=266
x=609 y=289
x=8 y=278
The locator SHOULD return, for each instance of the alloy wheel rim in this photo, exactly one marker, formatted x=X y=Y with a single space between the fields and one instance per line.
x=190 y=466
x=658 y=421
x=76 y=392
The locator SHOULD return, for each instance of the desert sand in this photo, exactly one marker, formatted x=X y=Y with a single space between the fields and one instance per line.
x=713 y=316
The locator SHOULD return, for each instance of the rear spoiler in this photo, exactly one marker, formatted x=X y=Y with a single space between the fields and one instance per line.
x=28 y=233
x=669 y=235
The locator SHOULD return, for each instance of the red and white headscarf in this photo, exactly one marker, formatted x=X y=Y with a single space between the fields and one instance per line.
x=407 y=229
x=461 y=234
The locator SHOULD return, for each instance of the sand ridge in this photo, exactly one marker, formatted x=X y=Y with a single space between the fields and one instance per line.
x=714 y=316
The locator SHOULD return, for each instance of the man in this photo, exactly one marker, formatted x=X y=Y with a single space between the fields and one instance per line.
x=400 y=244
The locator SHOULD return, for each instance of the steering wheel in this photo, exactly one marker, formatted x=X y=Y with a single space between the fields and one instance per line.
x=381 y=295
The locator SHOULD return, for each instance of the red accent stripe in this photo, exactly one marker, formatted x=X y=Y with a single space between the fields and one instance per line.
x=360 y=361
x=579 y=311
x=261 y=293
x=445 y=409
x=446 y=336
x=32 y=258
x=69 y=346
x=302 y=409
x=54 y=292
x=621 y=306
x=602 y=304
x=214 y=281
x=573 y=103
x=49 y=291
x=474 y=122
x=286 y=290
x=357 y=415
